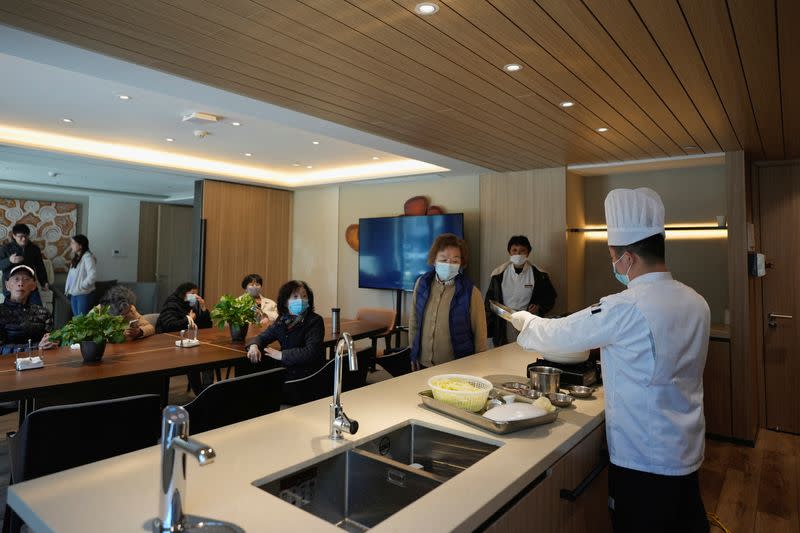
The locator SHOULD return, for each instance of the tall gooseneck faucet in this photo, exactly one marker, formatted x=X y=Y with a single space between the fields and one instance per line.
x=339 y=420
x=175 y=446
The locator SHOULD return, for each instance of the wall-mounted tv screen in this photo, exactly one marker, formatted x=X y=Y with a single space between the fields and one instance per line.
x=393 y=251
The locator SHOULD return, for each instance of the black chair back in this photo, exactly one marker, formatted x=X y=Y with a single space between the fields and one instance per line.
x=52 y=439
x=83 y=433
x=310 y=388
x=397 y=363
x=234 y=400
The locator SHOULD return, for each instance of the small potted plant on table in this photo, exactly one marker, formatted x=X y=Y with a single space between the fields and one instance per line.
x=91 y=331
x=236 y=313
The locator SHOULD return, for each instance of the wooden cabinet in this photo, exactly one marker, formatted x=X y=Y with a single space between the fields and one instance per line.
x=717 y=388
x=541 y=506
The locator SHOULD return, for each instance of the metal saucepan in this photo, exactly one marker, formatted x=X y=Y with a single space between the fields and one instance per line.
x=545 y=378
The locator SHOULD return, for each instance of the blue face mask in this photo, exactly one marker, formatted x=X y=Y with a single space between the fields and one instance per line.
x=297 y=306
x=447 y=271
x=622 y=278
x=191 y=298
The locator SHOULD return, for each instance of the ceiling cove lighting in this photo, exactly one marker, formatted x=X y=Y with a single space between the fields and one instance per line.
x=566 y=103
x=88 y=147
x=426 y=8
x=602 y=129
x=512 y=67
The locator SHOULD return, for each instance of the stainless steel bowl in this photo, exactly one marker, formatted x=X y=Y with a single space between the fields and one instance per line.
x=559 y=399
x=545 y=378
x=580 y=391
x=516 y=386
x=534 y=394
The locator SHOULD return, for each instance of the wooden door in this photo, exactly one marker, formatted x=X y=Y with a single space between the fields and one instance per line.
x=174 y=248
x=779 y=192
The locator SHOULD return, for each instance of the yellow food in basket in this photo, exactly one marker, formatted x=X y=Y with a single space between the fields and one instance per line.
x=456 y=384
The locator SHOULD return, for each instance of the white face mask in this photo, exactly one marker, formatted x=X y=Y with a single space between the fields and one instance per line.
x=518 y=260
x=447 y=271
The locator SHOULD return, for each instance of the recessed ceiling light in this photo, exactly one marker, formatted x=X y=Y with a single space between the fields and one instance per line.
x=314 y=142
x=601 y=130
x=123 y=97
x=248 y=154
x=426 y=8
x=309 y=166
x=66 y=120
x=236 y=123
x=295 y=164
x=512 y=67
x=375 y=158
x=566 y=103
x=170 y=140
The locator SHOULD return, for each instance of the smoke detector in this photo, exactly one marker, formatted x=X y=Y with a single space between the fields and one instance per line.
x=200 y=134
x=198 y=117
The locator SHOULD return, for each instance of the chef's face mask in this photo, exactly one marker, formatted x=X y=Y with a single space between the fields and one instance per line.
x=622 y=278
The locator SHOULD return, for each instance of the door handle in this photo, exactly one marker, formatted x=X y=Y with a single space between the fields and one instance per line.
x=772 y=316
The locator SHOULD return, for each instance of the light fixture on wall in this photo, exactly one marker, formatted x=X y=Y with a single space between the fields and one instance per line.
x=677 y=232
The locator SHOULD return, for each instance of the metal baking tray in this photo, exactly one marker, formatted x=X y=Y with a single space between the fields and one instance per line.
x=477 y=419
x=501 y=310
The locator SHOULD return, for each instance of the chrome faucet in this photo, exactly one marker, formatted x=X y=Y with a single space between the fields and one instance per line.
x=339 y=420
x=175 y=446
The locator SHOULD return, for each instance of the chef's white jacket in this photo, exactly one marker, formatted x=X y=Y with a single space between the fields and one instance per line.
x=654 y=340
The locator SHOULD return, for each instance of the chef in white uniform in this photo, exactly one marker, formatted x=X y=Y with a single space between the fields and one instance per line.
x=653 y=339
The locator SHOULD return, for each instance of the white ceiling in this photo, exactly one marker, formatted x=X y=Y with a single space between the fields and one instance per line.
x=45 y=81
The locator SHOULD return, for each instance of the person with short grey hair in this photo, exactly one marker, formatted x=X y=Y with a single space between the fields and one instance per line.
x=121 y=301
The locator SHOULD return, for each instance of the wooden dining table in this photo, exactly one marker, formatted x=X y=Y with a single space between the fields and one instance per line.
x=137 y=367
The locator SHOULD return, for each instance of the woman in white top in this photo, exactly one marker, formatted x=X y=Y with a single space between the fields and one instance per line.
x=267 y=310
x=81 y=277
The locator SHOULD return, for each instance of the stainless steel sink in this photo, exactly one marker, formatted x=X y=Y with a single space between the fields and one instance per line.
x=440 y=453
x=357 y=489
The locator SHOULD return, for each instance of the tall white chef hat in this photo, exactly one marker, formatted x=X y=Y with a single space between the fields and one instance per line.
x=633 y=215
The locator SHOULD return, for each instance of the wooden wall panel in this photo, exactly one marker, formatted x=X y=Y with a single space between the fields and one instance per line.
x=148 y=241
x=248 y=230
x=531 y=203
x=744 y=403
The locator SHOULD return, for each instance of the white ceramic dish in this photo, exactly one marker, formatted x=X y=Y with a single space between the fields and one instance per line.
x=567 y=358
x=511 y=412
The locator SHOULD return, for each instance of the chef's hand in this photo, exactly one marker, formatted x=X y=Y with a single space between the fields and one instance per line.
x=272 y=352
x=253 y=353
x=533 y=309
x=520 y=319
x=415 y=366
x=16 y=259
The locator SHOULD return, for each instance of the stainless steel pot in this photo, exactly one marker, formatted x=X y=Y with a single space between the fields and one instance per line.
x=545 y=378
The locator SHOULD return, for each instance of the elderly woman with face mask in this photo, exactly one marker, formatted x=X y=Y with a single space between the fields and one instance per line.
x=447 y=320
x=21 y=321
x=266 y=309
x=182 y=308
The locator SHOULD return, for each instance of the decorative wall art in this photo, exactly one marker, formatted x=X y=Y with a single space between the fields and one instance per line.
x=51 y=223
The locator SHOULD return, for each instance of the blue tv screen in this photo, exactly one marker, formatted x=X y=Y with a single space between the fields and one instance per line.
x=393 y=251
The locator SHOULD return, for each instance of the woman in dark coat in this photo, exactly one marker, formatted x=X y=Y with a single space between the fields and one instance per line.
x=183 y=306
x=299 y=330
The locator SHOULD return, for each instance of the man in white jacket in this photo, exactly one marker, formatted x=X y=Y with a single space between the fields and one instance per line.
x=653 y=339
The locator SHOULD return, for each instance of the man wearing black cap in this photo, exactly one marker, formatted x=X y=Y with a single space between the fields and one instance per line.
x=20 y=320
x=21 y=251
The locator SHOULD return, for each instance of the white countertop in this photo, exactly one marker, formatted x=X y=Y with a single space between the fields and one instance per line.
x=121 y=494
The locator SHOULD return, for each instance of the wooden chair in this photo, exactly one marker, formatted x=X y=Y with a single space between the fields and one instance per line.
x=52 y=439
x=235 y=400
x=379 y=315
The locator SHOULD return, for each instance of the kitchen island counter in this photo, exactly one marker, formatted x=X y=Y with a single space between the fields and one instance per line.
x=121 y=494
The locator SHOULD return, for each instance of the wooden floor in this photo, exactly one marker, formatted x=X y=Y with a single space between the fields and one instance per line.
x=750 y=489
x=754 y=489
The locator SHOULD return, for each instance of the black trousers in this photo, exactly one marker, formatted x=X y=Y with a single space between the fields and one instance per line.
x=641 y=501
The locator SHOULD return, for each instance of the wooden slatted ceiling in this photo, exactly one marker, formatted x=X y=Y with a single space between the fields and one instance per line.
x=663 y=76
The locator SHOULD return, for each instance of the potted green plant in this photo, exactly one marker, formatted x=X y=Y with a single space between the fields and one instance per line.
x=236 y=313
x=91 y=331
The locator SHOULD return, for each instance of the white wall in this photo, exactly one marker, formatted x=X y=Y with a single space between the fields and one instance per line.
x=113 y=224
x=315 y=246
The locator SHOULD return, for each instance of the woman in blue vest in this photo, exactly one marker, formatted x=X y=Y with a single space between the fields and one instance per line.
x=447 y=319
